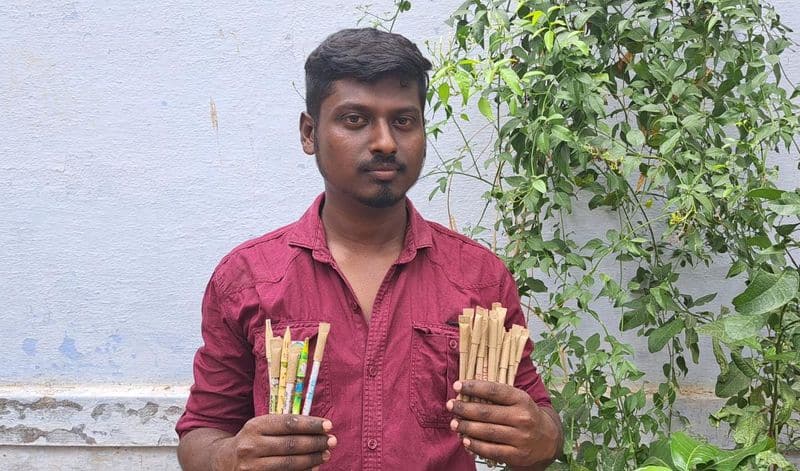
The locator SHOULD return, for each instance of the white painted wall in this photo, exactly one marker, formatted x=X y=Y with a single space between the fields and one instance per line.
x=119 y=192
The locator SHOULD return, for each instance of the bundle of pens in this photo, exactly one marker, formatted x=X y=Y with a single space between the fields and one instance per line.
x=487 y=351
x=287 y=361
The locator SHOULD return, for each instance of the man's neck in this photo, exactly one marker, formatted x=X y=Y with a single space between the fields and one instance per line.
x=361 y=228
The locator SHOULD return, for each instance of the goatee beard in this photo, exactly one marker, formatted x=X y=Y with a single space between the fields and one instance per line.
x=384 y=199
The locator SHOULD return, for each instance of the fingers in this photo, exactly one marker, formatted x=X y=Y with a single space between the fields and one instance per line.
x=290 y=445
x=496 y=393
x=491 y=451
x=523 y=415
x=289 y=424
x=478 y=412
x=291 y=463
x=487 y=432
x=284 y=442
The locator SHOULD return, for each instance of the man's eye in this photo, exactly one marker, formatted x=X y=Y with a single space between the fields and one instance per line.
x=403 y=121
x=353 y=119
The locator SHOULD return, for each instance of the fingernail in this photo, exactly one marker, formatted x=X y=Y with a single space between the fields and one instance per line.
x=457 y=386
x=449 y=405
x=326 y=455
x=327 y=425
x=332 y=441
x=466 y=442
x=454 y=425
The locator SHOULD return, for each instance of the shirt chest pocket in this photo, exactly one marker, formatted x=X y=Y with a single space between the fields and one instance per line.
x=434 y=369
x=299 y=330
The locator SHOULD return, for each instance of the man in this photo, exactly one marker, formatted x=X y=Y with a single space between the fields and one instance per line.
x=390 y=284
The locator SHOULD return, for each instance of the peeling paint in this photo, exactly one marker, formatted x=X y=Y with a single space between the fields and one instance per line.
x=26 y=434
x=104 y=415
x=29 y=346
x=214 y=117
x=45 y=403
x=68 y=349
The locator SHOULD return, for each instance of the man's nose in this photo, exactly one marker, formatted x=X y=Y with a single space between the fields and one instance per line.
x=383 y=141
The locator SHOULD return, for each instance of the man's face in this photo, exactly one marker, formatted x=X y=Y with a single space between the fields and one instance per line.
x=369 y=140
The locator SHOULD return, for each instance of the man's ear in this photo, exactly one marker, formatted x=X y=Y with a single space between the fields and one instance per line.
x=307 y=133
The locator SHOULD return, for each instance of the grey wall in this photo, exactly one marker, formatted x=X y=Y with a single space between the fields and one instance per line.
x=140 y=142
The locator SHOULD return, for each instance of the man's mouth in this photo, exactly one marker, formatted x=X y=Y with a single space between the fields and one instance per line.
x=384 y=171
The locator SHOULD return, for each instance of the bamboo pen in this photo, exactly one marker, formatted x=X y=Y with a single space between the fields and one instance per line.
x=287 y=340
x=291 y=374
x=275 y=347
x=464 y=332
x=319 y=351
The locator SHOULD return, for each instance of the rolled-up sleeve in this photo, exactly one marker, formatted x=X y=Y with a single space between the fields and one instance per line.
x=221 y=396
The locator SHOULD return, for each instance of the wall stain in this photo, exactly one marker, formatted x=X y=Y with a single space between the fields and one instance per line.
x=214 y=117
x=144 y=413
x=29 y=346
x=44 y=403
x=25 y=434
x=68 y=349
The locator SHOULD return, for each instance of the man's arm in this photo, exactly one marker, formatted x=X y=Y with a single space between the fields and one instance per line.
x=511 y=428
x=198 y=449
x=268 y=442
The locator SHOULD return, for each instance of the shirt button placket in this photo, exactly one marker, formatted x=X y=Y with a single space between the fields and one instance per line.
x=372 y=444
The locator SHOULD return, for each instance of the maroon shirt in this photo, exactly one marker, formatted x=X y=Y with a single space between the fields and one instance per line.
x=383 y=384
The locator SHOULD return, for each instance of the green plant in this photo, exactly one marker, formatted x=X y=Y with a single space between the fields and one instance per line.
x=661 y=116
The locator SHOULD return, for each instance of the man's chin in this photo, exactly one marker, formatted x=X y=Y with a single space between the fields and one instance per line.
x=384 y=199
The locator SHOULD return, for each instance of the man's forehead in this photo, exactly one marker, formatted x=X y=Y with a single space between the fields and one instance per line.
x=393 y=88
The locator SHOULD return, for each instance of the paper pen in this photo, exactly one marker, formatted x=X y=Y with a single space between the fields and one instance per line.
x=319 y=351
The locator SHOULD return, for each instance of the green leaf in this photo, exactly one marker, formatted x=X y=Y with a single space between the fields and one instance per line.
x=464 y=82
x=511 y=79
x=737 y=329
x=668 y=145
x=738 y=267
x=765 y=193
x=705 y=299
x=731 y=382
x=549 y=40
x=660 y=336
x=539 y=186
x=635 y=137
x=688 y=452
x=749 y=427
x=745 y=365
x=444 y=92
x=485 y=108
x=771 y=457
x=767 y=292
x=732 y=460
x=761 y=241
x=790 y=209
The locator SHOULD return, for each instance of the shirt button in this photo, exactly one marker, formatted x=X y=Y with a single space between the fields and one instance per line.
x=372 y=371
x=354 y=306
x=453 y=344
x=372 y=444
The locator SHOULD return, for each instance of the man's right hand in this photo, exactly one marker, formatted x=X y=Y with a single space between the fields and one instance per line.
x=277 y=442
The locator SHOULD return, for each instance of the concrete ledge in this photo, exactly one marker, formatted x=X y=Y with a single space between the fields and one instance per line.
x=102 y=415
x=123 y=426
x=82 y=458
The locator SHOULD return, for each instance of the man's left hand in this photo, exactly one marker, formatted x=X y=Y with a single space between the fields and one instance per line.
x=510 y=428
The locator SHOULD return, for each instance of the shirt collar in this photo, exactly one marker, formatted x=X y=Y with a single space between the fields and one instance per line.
x=309 y=232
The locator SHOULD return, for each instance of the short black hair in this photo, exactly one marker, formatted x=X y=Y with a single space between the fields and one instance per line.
x=366 y=55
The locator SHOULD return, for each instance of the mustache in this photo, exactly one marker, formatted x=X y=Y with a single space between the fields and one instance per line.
x=382 y=162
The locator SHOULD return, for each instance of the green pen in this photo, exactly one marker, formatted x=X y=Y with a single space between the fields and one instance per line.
x=301 y=374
